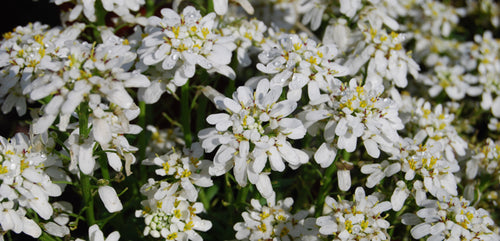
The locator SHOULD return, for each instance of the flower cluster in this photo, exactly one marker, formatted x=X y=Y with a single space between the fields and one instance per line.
x=296 y=61
x=275 y=222
x=25 y=55
x=27 y=173
x=360 y=219
x=170 y=210
x=256 y=130
x=176 y=44
x=354 y=111
x=400 y=99
x=453 y=219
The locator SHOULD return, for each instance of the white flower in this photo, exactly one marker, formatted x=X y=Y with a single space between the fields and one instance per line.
x=186 y=169
x=95 y=234
x=313 y=12
x=180 y=42
x=87 y=6
x=248 y=36
x=379 y=171
x=484 y=160
x=453 y=219
x=441 y=17
x=108 y=127
x=296 y=61
x=256 y=129
x=220 y=6
x=453 y=81
x=78 y=79
x=27 y=171
x=349 y=8
x=171 y=216
x=275 y=221
x=437 y=126
x=121 y=8
x=16 y=220
x=352 y=220
x=26 y=53
x=385 y=55
x=353 y=112
x=484 y=51
x=427 y=161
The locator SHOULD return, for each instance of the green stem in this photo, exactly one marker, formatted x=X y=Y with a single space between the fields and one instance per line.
x=326 y=185
x=104 y=166
x=210 y=6
x=87 y=198
x=83 y=121
x=83 y=115
x=201 y=113
x=143 y=140
x=150 y=8
x=228 y=190
x=202 y=196
x=186 y=114
x=241 y=197
x=46 y=237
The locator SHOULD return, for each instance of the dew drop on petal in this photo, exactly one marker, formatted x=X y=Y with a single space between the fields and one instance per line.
x=174 y=56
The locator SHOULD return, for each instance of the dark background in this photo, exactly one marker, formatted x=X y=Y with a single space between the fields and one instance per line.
x=21 y=12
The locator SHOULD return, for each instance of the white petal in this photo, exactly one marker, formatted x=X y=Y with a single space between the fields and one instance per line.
x=495 y=107
x=101 y=131
x=31 y=228
x=264 y=186
x=95 y=234
x=114 y=236
x=372 y=148
x=275 y=160
x=42 y=207
x=325 y=155
x=114 y=161
x=420 y=230
x=344 y=179
x=86 y=161
x=56 y=229
x=110 y=199
x=220 y=6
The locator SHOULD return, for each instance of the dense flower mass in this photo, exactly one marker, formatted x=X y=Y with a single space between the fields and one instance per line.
x=255 y=130
x=178 y=43
x=275 y=222
x=357 y=220
x=27 y=174
x=453 y=219
x=296 y=61
x=197 y=120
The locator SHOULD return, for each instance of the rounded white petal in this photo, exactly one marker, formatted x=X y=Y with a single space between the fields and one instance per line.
x=31 y=228
x=344 y=179
x=110 y=199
